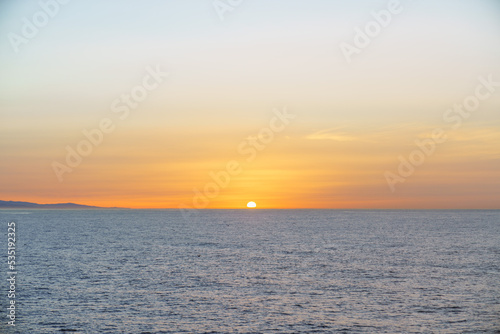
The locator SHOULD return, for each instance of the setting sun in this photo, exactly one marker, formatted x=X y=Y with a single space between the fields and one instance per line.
x=251 y=205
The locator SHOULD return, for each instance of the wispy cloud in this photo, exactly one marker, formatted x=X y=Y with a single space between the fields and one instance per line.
x=337 y=134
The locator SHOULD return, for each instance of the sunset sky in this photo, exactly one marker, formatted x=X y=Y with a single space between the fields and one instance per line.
x=232 y=73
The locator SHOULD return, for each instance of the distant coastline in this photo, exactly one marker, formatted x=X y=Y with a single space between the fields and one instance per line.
x=29 y=205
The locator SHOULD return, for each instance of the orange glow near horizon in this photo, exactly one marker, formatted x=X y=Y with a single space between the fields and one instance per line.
x=329 y=174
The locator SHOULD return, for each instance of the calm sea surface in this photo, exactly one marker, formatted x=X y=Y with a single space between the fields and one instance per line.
x=260 y=271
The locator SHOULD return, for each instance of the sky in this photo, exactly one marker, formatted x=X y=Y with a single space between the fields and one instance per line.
x=212 y=104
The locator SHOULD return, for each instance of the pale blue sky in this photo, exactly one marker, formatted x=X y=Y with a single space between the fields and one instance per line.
x=275 y=52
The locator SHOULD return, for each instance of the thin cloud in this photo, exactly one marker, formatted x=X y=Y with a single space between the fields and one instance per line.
x=331 y=134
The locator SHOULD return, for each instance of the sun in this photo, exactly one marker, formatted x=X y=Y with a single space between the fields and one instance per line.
x=251 y=205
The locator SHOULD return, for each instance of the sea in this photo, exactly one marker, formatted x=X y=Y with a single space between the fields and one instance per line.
x=252 y=271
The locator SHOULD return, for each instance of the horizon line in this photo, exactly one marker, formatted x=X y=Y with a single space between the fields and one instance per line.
x=94 y=207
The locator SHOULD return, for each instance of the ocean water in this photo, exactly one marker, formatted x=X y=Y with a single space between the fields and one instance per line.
x=254 y=271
